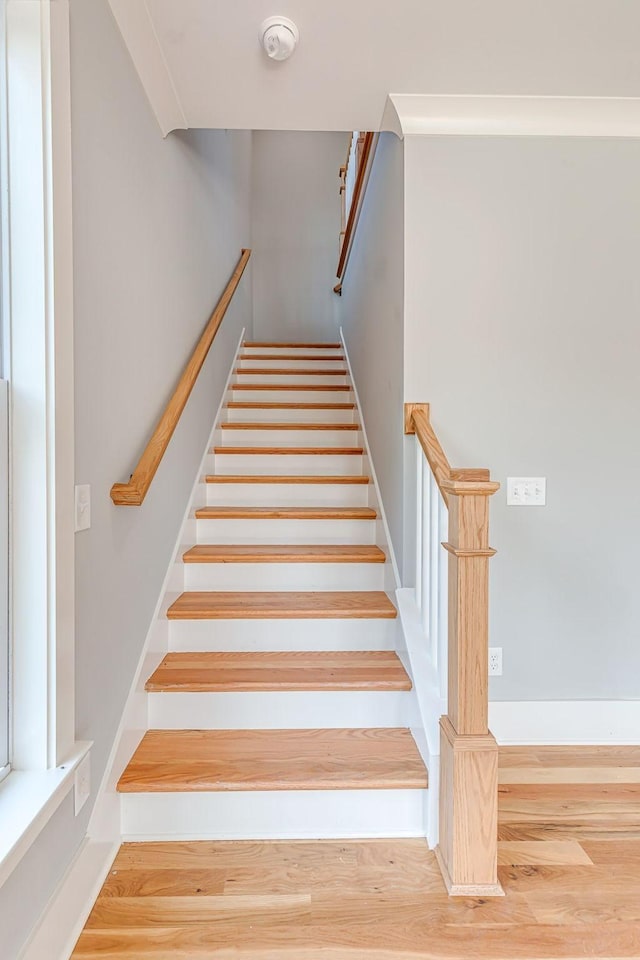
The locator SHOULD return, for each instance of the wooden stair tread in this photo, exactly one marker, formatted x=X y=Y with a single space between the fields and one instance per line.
x=309 y=346
x=287 y=425
x=283 y=553
x=292 y=478
x=282 y=605
x=256 y=405
x=292 y=386
x=285 y=356
x=286 y=513
x=288 y=372
x=245 y=672
x=293 y=451
x=168 y=761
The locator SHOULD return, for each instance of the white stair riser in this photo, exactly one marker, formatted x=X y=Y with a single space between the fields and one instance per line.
x=287 y=494
x=286 y=531
x=303 y=351
x=273 y=395
x=273 y=815
x=278 y=464
x=284 y=576
x=279 y=710
x=315 y=379
x=195 y=636
x=288 y=415
x=288 y=438
x=336 y=364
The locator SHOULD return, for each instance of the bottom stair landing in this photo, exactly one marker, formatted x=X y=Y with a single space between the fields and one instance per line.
x=569 y=862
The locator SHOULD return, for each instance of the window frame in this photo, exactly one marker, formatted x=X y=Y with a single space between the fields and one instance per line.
x=38 y=315
x=5 y=646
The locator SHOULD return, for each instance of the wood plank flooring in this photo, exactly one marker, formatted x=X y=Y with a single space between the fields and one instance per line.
x=567 y=897
x=220 y=760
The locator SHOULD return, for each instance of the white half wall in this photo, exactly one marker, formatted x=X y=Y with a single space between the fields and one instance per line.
x=295 y=230
x=521 y=330
x=158 y=227
x=371 y=315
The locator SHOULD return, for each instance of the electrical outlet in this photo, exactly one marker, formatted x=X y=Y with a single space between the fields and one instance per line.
x=82 y=784
x=526 y=491
x=83 y=506
x=495 y=661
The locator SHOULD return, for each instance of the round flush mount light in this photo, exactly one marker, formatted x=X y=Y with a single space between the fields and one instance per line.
x=279 y=37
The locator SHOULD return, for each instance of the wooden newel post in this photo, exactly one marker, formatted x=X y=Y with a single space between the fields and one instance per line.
x=467 y=851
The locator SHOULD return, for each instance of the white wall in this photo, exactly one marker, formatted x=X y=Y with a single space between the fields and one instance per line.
x=295 y=230
x=521 y=329
x=158 y=227
x=371 y=314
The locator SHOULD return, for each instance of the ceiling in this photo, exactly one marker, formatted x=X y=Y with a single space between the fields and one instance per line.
x=202 y=66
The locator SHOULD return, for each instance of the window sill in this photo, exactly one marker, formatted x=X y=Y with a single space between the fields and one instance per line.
x=28 y=799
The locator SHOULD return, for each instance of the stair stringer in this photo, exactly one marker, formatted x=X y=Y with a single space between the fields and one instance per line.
x=425 y=707
x=105 y=822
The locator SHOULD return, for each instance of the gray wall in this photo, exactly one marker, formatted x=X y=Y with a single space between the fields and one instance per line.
x=158 y=227
x=371 y=314
x=522 y=306
x=295 y=227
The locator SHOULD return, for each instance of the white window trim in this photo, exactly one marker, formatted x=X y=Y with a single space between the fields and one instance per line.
x=39 y=309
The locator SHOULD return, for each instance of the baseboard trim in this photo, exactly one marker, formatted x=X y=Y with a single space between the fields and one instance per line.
x=66 y=914
x=565 y=721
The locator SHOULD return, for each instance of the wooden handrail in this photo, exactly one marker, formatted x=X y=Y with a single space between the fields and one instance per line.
x=132 y=494
x=416 y=420
x=354 y=209
x=468 y=844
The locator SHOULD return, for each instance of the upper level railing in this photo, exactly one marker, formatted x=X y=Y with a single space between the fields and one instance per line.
x=132 y=494
x=453 y=600
x=352 y=200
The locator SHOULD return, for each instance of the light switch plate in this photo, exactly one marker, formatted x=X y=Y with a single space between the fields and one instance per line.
x=83 y=506
x=526 y=491
x=82 y=784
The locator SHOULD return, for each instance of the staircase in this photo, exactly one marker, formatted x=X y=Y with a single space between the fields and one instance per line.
x=282 y=709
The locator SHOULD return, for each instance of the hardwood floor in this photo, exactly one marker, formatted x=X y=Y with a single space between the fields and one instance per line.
x=569 y=864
